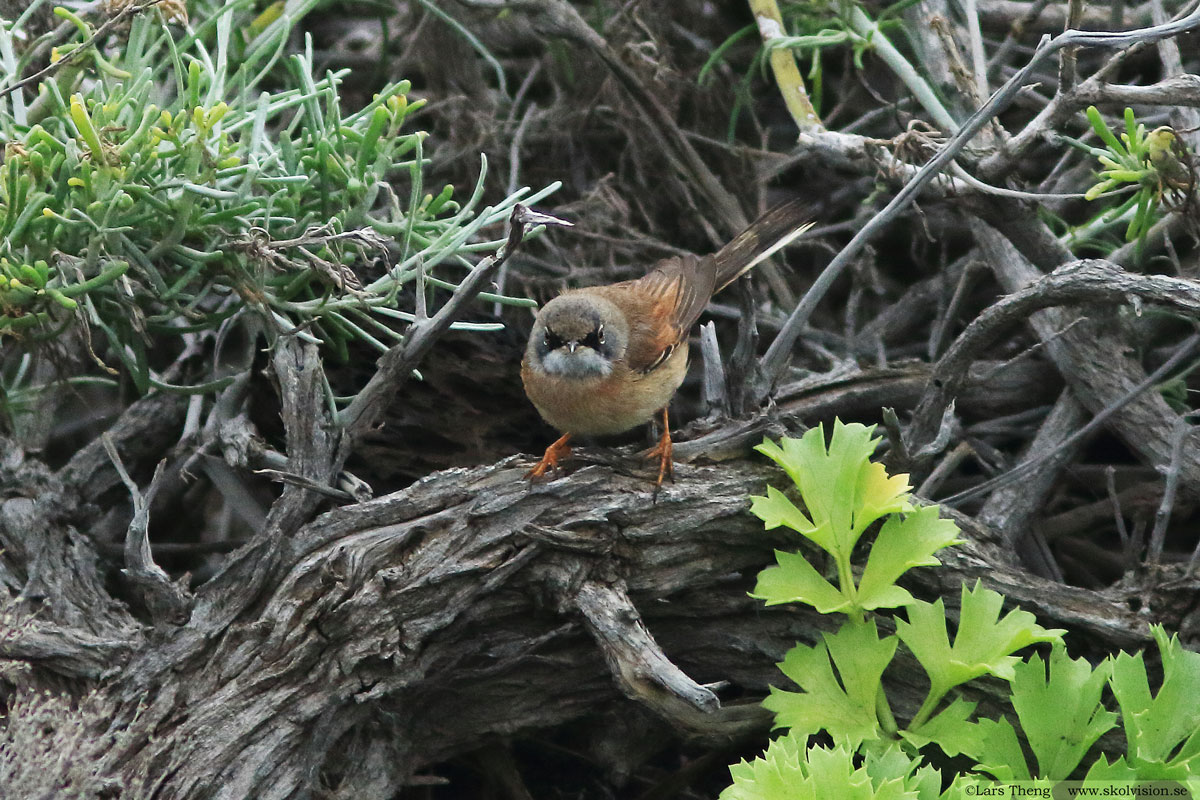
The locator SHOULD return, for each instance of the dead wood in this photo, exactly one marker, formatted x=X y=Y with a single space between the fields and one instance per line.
x=469 y=605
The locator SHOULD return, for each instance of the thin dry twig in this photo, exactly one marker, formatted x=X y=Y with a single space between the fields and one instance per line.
x=396 y=364
x=166 y=600
x=54 y=66
x=775 y=361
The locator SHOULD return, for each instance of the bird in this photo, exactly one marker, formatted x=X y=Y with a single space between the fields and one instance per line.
x=602 y=360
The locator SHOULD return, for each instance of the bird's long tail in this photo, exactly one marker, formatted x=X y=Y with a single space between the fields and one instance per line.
x=762 y=239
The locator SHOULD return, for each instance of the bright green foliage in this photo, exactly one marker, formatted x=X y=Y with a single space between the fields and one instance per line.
x=903 y=543
x=1000 y=753
x=950 y=728
x=983 y=644
x=1061 y=715
x=796 y=581
x=842 y=489
x=786 y=771
x=845 y=709
x=893 y=763
x=1058 y=702
x=1118 y=770
x=1150 y=162
x=844 y=493
x=1163 y=730
x=166 y=192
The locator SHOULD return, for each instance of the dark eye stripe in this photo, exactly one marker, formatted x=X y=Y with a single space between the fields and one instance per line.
x=552 y=340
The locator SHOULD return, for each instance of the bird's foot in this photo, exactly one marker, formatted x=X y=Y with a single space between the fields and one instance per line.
x=663 y=451
x=559 y=450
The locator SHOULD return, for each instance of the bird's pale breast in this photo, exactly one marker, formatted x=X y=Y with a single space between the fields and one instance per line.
x=605 y=405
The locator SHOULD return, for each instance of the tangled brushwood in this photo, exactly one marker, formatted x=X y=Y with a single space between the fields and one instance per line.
x=266 y=273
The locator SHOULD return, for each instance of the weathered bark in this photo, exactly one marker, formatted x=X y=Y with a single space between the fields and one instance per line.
x=469 y=605
x=397 y=632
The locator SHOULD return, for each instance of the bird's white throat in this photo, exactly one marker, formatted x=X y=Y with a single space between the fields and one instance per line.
x=583 y=363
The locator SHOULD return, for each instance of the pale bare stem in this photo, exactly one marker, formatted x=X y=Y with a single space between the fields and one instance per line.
x=865 y=27
x=978 y=56
x=167 y=602
x=783 y=66
x=1067 y=74
x=967 y=83
x=1162 y=516
x=1178 y=92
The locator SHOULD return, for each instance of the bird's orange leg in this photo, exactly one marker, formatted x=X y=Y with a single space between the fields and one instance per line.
x=549 y=461
x=663 y=452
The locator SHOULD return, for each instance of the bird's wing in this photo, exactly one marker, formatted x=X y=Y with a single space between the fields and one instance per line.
x=687 y=283
x=662 y=306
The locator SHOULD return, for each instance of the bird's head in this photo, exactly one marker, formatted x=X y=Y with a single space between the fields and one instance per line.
x=578 y=335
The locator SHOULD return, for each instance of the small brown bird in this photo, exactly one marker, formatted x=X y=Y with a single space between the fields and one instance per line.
x=604 y=359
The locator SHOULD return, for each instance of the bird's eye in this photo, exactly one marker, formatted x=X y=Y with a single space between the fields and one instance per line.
x=552 y=340
x=594 y=339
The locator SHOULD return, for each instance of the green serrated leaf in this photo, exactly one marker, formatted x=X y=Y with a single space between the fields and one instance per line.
x=903 y=543
x=1163 y=729
x=796 y=581
x=786 y=771
x=781 y=772
x=843 y=493
x=1001 y=754
x=879 y=493
x=1061 y=715
x=889 y=762
x=1117 y=772
x=982 y=645
x=951 y=730
x=845 y=709
x=828 y=479
x=776 y=509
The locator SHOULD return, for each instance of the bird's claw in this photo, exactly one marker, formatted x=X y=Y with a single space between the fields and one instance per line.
x=555 y=452
x=663 y=451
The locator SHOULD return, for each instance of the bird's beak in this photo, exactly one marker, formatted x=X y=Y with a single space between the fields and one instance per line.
x=572 y=345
